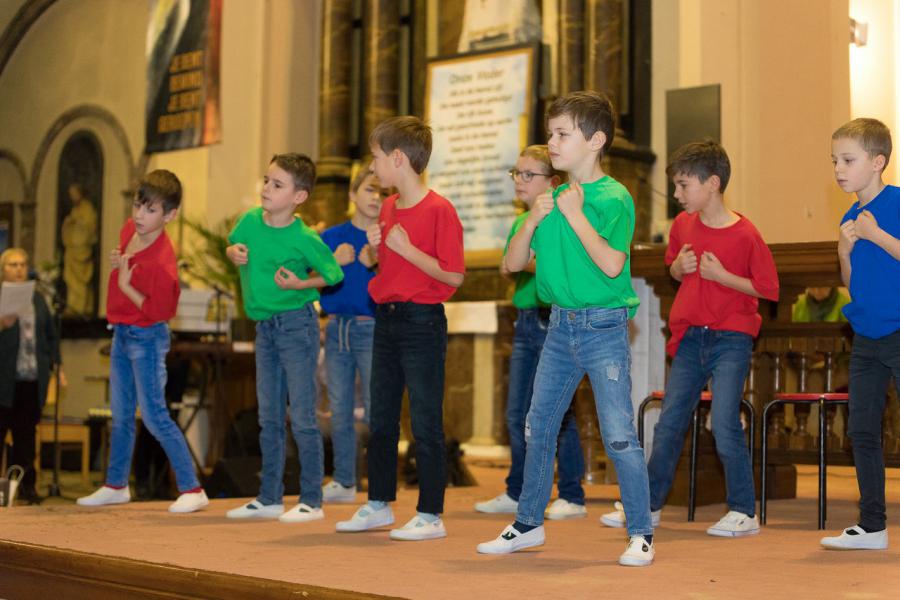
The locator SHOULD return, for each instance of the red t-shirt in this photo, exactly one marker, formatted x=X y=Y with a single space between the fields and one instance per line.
x=155 y=275
x=434 y=228
x=701 y=302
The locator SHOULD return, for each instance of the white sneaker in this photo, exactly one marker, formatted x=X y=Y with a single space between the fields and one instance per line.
x=856 y=538
x=616 y=518
x=510 y=540
x=638 y=553
x=501 y=504
x=255 y=510
x=366 y=518
x=106 y=495
x=335 y=493
x=735 y=524
x=418 y=528
x=563 y=509
x=189 y=502
x=302 y=513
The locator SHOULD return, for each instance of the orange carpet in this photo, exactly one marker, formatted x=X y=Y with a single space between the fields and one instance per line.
x=578 y=560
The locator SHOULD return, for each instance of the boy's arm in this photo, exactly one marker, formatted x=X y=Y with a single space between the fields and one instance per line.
x=287 y=280
x=867 y=228
x=846 y=240
x=398 y=240
x=763 y=280
x=125 y=271
x=607 y=258
x=519 y=253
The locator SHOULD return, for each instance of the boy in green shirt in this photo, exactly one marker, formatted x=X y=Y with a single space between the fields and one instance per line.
x=582 y=233
x=276 y=252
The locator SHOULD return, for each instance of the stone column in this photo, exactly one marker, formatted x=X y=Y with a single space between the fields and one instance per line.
x=570 y=63
x=603 y=47
x=328 y=203
x=381 y=38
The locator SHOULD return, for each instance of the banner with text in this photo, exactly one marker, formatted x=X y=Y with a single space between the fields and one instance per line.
x=480 y=109
x=183 y=74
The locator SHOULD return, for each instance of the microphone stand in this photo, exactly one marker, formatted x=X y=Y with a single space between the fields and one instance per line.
x=217 y=352
x=59 y=305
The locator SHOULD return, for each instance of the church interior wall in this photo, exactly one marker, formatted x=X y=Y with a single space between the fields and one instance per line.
x=787 y=76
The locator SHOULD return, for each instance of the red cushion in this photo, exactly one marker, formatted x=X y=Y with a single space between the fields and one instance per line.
x=798 y=397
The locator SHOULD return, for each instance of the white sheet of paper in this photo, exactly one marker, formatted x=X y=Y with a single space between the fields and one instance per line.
x=15 y=298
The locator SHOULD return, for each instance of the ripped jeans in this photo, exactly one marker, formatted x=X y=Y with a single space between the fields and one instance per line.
x=592 y=341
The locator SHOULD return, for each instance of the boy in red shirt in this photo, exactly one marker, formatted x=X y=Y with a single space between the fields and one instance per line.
x=420 y=250
x=143 y=295
x=724 y=267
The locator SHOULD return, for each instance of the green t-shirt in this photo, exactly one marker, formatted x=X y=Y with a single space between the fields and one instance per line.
x=566 y=275
x=526 y=295
x=296 y=248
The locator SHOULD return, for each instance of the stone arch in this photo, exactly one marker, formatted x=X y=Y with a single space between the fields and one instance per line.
x=120 y=171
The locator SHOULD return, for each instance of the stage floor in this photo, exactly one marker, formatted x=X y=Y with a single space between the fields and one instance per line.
x=578 y=560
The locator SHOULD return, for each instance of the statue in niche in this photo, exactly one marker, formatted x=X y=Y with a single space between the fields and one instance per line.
x=79 y=237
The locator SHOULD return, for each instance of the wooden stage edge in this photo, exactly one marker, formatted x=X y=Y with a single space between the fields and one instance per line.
x=34 y=571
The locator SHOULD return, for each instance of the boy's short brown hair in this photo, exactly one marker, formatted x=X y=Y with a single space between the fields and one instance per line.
x=160 y=186
x=873 y=135
x=408 y=134
x=300 y=167
x=702 y=159
x=590 y=112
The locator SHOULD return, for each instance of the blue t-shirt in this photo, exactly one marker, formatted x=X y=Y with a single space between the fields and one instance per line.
x=351 y=296
x=874 y=308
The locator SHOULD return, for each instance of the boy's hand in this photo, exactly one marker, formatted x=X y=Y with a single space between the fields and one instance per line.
x=373 y=234
x=571 y=201
x=125 y=271
x=710 y=267
x=686 y=259
x=286 y=280
x=238 y=254
x=398 y=240
x=542 y=206
x=866 y=226
x=847 y=238
x=344 y=254
x=368 y=257
x=115 y=258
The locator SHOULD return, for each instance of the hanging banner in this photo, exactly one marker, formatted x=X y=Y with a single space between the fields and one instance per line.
x=183 y=74
x=480 y=107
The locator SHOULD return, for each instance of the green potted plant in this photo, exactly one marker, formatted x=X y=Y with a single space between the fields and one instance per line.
x=209 y=263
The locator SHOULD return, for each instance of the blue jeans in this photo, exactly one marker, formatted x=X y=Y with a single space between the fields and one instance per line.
x=137 y=377
x=592 y=341
x=287 y=348
x=872 y=362
x=409 y=350
x=723 y=356
x=348 y=350
x=531 y=330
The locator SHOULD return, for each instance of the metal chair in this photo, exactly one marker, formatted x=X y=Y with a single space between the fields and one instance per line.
x=823 y=399
x=658 y=395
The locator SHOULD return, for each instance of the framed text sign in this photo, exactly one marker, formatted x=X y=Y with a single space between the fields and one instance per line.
x=480 y=107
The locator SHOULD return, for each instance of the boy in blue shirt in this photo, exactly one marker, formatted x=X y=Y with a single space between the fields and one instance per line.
x=582 y=233
x=276 y=252
x=351 y=325
x=869 y=251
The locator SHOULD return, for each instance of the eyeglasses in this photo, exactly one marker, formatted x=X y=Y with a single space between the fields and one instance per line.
x=526 y=176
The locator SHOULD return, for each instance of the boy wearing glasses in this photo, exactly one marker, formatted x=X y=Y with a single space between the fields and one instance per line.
x=533 y=175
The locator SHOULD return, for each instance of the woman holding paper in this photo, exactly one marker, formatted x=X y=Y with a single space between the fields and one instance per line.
x=29 y=348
